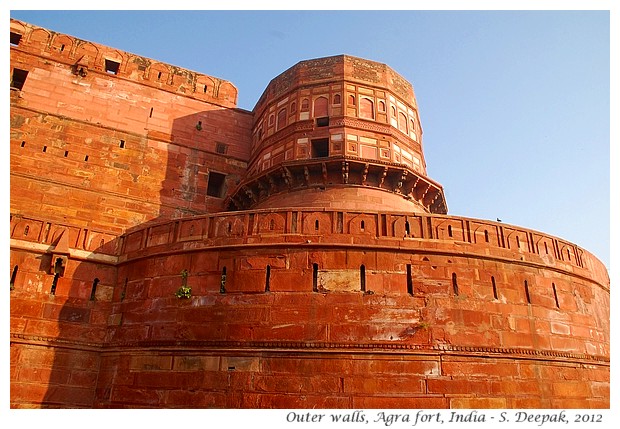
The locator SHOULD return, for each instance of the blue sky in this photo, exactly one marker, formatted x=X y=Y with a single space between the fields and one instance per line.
x=515 y=105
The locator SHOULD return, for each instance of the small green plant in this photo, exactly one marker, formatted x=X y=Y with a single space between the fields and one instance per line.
x=184 y=291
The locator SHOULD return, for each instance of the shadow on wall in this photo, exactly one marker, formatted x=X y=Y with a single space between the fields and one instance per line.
x=87 y=300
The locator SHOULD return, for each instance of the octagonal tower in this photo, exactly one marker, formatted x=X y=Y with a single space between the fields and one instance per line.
x=335 y=132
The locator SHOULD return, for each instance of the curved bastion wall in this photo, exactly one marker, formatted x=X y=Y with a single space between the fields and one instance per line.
x=294 y=308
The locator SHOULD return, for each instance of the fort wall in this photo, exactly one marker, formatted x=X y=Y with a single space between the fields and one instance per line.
x=171 y=250
x=113 y=150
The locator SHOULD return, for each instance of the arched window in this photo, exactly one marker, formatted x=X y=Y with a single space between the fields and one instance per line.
x=281 y=119
x=271 y=119
x=402 y=122
x=382 y=106
x=367 y=110
x=320 y=107
x=305 y=104
x=351 y=100
x=293 y=107
x=337 y=99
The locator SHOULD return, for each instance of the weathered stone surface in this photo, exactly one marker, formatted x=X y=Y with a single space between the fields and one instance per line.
x=337 y=281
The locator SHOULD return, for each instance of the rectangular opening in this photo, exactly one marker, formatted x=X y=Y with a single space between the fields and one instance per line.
x=112 y=66
x=15 y=38
x=221 y=148
x=527 y=293
x=18 y=79
x=215 y=186
x=409 y=280
x=320 y=148
x=322 y=122
x=315 y=277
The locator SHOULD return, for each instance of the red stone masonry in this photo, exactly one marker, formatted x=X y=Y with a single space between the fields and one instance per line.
x=319 y=265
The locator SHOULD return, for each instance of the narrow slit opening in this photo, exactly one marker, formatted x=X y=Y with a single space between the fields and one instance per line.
x=409 y=280
x=363 y=277
x=315 y=277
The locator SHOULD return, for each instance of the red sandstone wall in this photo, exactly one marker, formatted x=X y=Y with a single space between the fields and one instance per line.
x=111 y=151
x=292 y=347
x=436 y=308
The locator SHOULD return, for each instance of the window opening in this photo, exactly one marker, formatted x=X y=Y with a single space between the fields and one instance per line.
x=362 y=225
x=66 y=153
x=363 y=278
x=494 y=287
x=93 y=291
x=409 y=280
x=320 y=148
x=15 y=38
x=315 y=277
x=44 y=149
x=455 y=286
x=223 y=281
x=86 y=158
x=450 y=230
x=122 y=144
x=215 y=185
x=555 y=295
x=267 y=278
x=14 y=276
x=546 y=248
x=112 y=67
x=204 y=89
x=518 y=242
x=486 y=235
x=26 y=230
x=351 y=100
x=23 y=143
x=322 y=122
x=316 y=225
x=407 y=228
x=62 y=48
x=158 y=75
x=337 y=99
x=527 y=293
x=221 y=148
